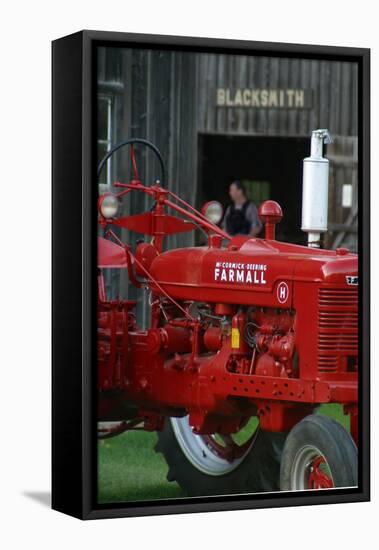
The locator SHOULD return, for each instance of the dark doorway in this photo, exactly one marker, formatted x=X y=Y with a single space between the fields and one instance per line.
x=271 y=167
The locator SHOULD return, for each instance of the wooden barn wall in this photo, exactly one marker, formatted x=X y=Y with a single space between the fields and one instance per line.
x=343 y=222
x=333 y=85
x=164 y=114
x=158 y=104
x=155 y=105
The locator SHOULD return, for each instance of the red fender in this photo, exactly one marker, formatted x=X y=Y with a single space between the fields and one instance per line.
x=110 y=254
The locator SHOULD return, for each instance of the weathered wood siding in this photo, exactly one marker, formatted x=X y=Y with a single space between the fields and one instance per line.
x=334 y=87
x=159 y=103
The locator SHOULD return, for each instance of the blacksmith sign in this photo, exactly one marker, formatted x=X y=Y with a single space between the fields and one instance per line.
x=264 y=98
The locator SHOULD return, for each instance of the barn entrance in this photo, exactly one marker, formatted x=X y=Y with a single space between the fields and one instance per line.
x=270 y=167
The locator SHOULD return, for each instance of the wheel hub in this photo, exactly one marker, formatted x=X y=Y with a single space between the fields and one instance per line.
x=310 y=470
x=319 y=479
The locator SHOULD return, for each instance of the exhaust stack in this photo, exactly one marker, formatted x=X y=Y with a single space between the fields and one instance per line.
x=314 y=219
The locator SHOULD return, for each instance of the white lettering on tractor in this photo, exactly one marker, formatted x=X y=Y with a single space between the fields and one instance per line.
x=236 y=272
x=240 y=276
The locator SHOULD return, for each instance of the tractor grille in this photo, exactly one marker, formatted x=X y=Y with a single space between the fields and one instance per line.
x=337 y=327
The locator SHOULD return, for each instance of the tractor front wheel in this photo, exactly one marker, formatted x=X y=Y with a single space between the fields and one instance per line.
x=216 y=464
x=318 y=454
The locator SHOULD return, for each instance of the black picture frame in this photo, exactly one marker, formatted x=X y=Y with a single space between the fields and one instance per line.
x=73 y=271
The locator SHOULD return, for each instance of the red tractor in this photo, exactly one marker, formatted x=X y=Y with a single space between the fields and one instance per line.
x=247 y=338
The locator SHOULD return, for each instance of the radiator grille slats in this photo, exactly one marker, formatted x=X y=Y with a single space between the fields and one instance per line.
x=337 y=326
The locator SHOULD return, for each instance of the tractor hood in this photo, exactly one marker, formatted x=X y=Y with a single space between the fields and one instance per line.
x=249 y=271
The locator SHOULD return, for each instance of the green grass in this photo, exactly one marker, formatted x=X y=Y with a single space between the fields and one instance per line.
x=129 y=468
x=335 y=411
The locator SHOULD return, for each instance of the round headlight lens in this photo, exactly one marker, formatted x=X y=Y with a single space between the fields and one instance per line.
x=213 y=211
x=108 y=205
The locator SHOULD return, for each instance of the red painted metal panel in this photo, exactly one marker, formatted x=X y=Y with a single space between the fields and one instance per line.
x=110 y=254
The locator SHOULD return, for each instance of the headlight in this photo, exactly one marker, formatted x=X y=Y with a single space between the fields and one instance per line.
x=108 y=205
x=213 y=211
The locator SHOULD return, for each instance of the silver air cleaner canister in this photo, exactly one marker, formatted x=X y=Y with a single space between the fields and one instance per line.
x=314 y=219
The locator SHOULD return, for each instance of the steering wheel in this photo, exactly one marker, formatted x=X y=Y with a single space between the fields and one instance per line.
x=131 y=143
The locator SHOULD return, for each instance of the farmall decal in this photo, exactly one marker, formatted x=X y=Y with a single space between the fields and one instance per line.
x=236 y=272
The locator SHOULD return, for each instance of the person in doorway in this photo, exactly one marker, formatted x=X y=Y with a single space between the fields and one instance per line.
x=241 y=216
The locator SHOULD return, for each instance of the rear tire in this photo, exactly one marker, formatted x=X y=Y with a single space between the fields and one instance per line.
x=318 y=454
x=199 y=471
